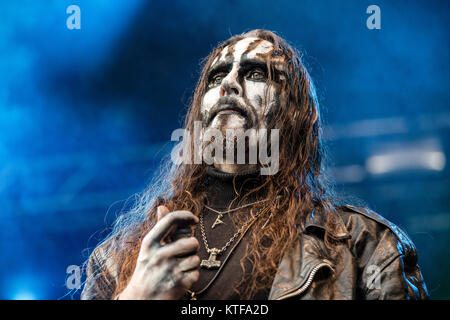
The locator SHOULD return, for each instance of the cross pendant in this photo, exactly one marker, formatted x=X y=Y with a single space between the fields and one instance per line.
x=211 y=263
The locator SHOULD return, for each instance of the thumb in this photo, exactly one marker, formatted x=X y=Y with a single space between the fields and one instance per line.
x=161 y=211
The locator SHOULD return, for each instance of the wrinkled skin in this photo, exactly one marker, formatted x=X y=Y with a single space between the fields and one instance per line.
x=164 y=272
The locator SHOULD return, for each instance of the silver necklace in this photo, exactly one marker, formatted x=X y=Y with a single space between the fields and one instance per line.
x=220 y=214
x=212 y=262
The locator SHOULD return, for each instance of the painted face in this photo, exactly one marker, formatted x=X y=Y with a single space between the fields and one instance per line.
x=237 y=95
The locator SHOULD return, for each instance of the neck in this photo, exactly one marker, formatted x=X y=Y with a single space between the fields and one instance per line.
x=235 y=168
x=225 y=187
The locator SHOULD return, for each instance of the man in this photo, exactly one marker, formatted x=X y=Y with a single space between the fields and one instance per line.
x=273 y=234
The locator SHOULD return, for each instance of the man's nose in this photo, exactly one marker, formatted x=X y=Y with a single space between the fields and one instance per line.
x=230 y=85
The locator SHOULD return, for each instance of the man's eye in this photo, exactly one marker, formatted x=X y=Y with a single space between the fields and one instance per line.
x=216 y=80
x=256 y=75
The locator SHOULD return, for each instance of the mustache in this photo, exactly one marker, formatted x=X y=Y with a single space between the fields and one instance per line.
x=231 y=103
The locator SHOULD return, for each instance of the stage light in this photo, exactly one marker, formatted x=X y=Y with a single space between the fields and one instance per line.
x=23 y=295
x=403 y=160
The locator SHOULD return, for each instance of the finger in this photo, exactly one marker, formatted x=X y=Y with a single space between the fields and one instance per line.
x=189 y=278
x=181 y=247
x=161 y=211
x=162 y=228
x=189 y=263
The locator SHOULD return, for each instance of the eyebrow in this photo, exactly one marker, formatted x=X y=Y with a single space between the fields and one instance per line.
x=219 y=66
x=252 y=62
x=244 y=63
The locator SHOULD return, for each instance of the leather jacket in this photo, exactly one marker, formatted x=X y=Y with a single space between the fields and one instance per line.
x=369 y=258
x=373 y=260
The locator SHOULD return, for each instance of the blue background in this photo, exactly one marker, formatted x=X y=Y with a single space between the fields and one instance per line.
x=86 y=115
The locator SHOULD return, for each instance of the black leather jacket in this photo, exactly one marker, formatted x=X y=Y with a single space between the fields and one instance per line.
x=373 y=259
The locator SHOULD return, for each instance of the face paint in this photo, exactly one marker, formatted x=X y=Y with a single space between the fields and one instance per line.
x=237 y=95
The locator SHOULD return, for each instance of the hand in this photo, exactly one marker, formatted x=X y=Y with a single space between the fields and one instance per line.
x=164 y=271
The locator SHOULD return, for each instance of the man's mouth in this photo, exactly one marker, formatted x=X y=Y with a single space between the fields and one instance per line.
x=229 y=109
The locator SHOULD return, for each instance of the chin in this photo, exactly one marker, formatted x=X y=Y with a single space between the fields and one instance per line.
x=234 y=127
x=229 y=123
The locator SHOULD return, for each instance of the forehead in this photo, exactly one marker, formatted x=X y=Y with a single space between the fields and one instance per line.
x=249 y=47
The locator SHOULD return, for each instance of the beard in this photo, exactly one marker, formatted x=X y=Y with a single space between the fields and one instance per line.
x=231 y=130
x=227 y=141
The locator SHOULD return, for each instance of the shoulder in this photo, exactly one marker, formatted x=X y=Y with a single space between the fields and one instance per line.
x=377 y=242
x=366 y=225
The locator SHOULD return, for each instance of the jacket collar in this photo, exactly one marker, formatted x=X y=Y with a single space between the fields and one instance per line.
x=317 y=219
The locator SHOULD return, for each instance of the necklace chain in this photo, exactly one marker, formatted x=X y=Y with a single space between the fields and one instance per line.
x=221 y=213
x=214 y=251
x=229 y=242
